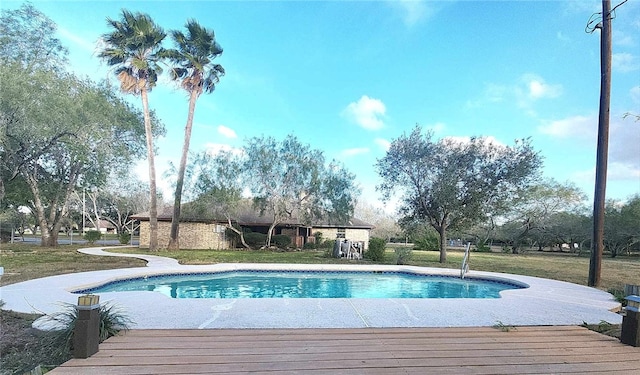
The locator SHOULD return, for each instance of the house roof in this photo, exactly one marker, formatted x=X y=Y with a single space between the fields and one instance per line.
x=248 y=216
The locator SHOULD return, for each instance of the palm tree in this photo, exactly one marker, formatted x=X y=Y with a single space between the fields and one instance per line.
x=193 y=67
x=134 y=49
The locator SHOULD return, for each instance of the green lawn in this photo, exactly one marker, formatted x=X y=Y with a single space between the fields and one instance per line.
x=28 y=261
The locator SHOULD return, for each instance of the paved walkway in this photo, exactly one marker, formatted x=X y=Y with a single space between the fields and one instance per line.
x=545 y=302
x=152 y=260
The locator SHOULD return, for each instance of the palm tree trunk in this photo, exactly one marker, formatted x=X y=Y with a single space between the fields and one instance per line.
x=153 y=204
x=174 y=242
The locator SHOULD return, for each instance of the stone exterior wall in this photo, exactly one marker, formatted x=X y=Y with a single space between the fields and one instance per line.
x=192 y=235
x=350 y=234
x=358 y=235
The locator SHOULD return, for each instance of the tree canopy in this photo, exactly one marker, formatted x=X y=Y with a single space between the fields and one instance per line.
x=58 y=133
x=454 y=184
x=27 y=37
x=529 y=216
x=285 y=180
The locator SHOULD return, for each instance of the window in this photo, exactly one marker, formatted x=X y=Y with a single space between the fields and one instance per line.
x=341 y=233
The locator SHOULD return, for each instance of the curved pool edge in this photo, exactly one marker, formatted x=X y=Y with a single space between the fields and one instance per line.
x=545 y=302
x=233 y=267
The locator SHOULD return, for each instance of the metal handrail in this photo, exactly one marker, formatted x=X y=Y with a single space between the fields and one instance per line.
x=465 y=261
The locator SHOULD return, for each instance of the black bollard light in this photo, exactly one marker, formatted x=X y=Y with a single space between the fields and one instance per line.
x=86 y=334
x=630 y=334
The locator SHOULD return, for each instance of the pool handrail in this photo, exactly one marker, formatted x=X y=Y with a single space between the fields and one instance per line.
x=465 y=261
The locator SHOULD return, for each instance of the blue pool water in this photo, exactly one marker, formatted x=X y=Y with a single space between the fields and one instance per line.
x=302 y=284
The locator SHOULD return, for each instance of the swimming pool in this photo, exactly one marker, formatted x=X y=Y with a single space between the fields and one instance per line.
x=308 y=284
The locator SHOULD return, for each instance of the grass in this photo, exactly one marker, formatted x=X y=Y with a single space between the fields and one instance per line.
x=26 y=261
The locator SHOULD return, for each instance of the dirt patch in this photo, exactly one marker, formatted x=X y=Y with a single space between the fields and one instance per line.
x=23 y=348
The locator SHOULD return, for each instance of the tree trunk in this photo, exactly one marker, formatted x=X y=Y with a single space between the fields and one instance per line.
x=238 y=232
x=270 y=233
x=47 y=237
x=442 y=231
x=174 y=241
x=153 y=204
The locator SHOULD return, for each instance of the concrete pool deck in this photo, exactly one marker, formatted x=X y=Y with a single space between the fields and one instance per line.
x=545 y=302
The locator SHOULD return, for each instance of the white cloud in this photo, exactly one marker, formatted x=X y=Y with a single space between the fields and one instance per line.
x=621 y=171
x=624 y=136
x=624 y=62
x=412 y=11
x=537 y=88
x=383 y=143
x=82 y=43
x=493 y=93
x=576 y=126
x=615 y=172
x=436 y=128
x=528 y=89
x=227 y=132
x=624 y=142
x=622 y=39
x=216 y=148
x=635 y=94
x=354 y=151
x=366 y=112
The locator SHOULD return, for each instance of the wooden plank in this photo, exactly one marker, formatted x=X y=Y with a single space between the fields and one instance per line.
x=543 y=350
x=350 y=360
x=404 y=351
x=366 y=367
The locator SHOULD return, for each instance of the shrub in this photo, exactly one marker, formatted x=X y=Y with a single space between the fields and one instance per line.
x=376 y=249
x=281 y=240
x=254 y=239
x=326 y=244
x=112 y=321
x=403 y=255
x=309 y=246
x=92 y=236
x=427 y=242
x=482 y=247
x=318 y=236
x=124 y=238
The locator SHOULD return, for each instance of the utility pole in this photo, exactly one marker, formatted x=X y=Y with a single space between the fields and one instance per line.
x=597 y=245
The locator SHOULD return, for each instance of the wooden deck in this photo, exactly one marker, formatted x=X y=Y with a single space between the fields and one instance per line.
x=525 y=350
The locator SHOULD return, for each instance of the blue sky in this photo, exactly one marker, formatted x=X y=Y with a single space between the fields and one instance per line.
x=348 y=77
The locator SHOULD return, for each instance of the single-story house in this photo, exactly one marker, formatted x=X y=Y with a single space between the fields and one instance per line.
x=104 y=226
x=200 y=233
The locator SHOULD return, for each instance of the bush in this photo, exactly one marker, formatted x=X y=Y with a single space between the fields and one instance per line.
x=376 y=249
x=326 y=244
x=281 y=240
x=429 y=242
x=112 y=321
x=92 y=236
x=254 y=239
x=309 y=246
x=124 y=238
x=482 y=247
x=403 y=255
